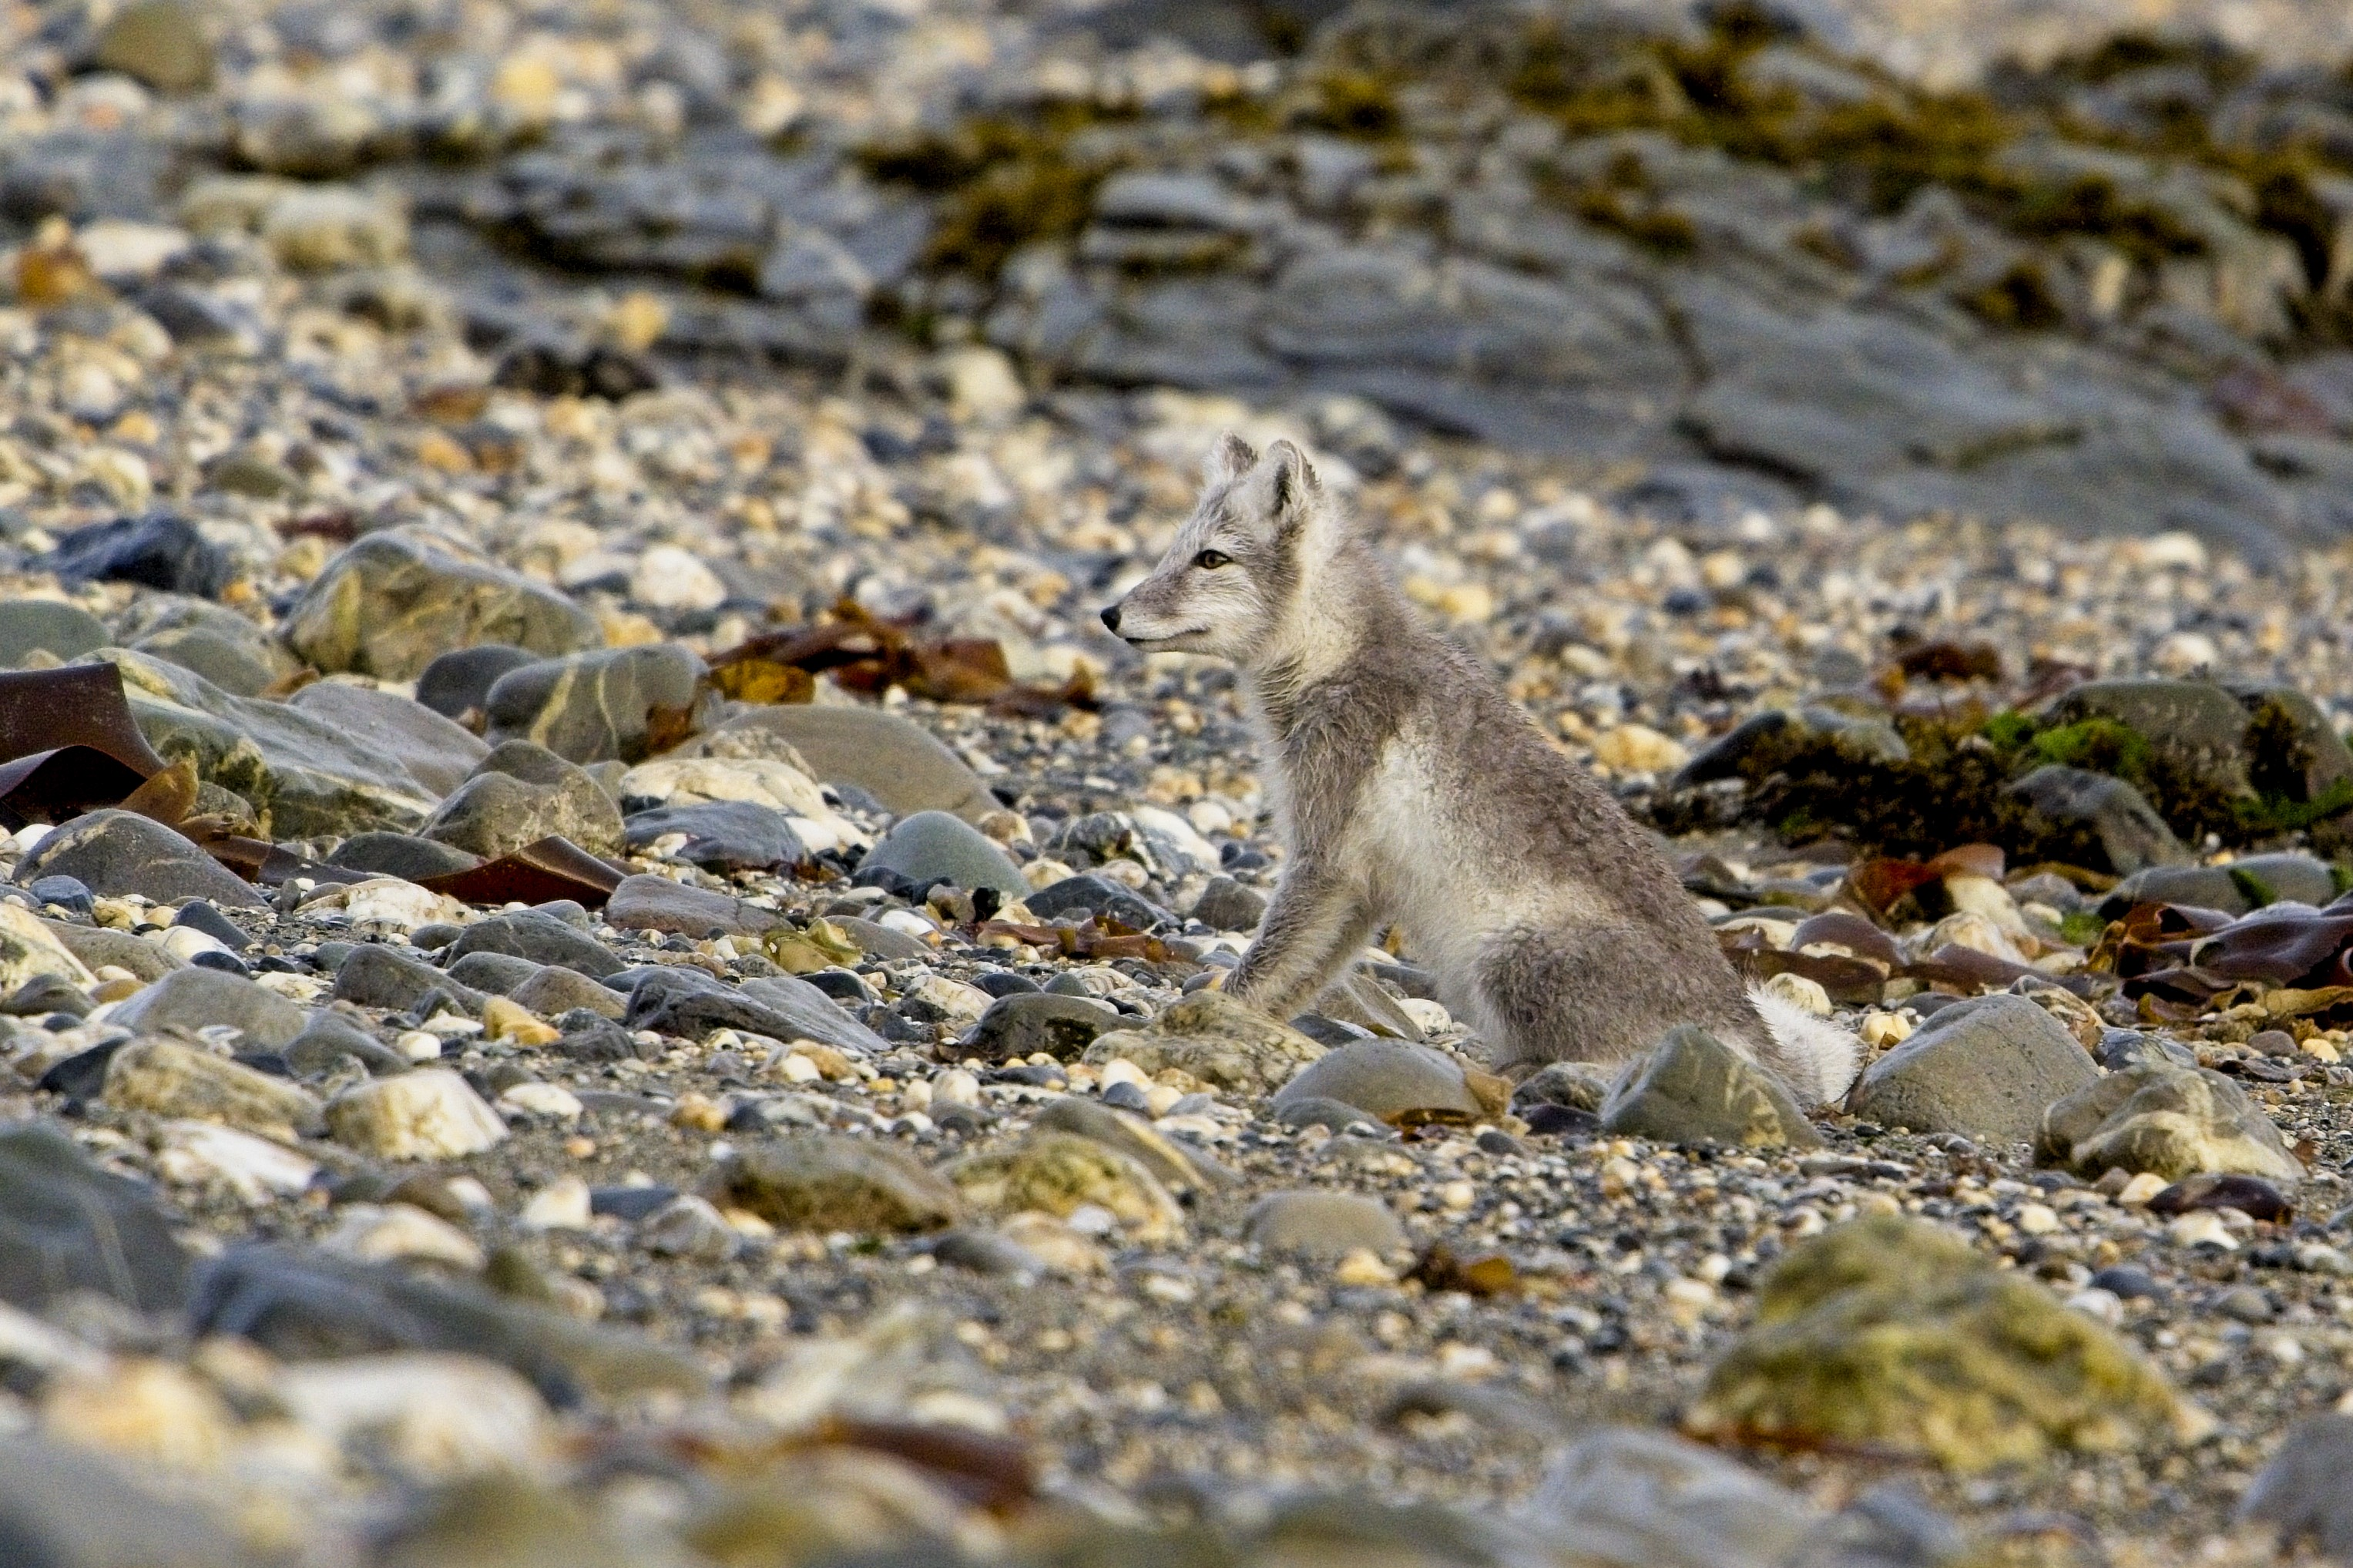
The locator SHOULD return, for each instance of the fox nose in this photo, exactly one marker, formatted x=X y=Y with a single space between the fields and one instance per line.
x=1111 y=619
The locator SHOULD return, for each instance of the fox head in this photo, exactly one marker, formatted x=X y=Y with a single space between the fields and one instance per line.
x=1234 y=582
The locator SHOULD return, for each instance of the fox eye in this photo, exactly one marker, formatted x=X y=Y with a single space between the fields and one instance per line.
x=1210 y=560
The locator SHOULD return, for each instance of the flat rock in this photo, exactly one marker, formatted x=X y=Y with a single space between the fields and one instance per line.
x=193 y=999
x=647 y=902
x=430 y=749
x=1056 y=1172
x=391 y=603
x=2170 y=1120
x=404 y=855
x=932 y=846
x=543 y=938
x=67 y=1225
x=1217 y=1040
x=1016 y=1027
x=691 y=1003
x=1985 y=1068
x=596 y=707
x=114 y=853
x=720 y=835
x=173 y=1080
x=1390 y=1080
x=1088 y=894
x=1892 y=1333
x=430 y=1114
x=64 y=629
x=827 y=1182
x=895 y=759
x=1693 y=1089
x=1314 y=1223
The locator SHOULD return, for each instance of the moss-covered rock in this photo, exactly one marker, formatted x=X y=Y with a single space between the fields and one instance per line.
x=1057 y=1173
x=1217 y=1040
x=1890 y=1334
x=2169 y=1120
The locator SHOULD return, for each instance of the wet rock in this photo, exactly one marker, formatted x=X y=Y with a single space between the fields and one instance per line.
x=595 y=707
x=158 y=550
x=458 y=682
x=1058 y=1172
x=1892 y=1332
x=691 y=1003
x=427 y=746
x=1631 y=1496
x=1226 y=904
x=392 y=602
x=115 y=852
x=720 y=835
x=404 y=855
x=67 y=1225
x=1390 y=1080
x=431 y=1114
x=895 y=759
x=541 y=937
x=1217 y=1040
x=2303 y=1492
x=1983 y=1068
x=647 y=903
x=827 y=1182
x=936 y=846
x=170 y=1079
x=2102 y=813
x=1319 y=1224
x=64 y=629
x=1693 y=1089
x=2169 y=1120
x=2242 y=885
x=497 y=811
x=1088 y=894
x=196 y=999
x=63 y=1506
x=1017 y=1027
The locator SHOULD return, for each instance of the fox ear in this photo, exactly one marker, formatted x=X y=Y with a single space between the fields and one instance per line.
x=1229 y=457
x=1291 y=486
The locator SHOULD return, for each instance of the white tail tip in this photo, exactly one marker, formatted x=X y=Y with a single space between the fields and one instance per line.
x=1819 y=1058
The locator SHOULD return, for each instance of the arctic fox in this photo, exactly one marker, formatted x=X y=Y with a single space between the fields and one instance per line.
x=1410 y=789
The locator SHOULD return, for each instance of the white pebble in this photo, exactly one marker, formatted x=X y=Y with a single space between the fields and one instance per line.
x=955 y=1088
x=561 y=1205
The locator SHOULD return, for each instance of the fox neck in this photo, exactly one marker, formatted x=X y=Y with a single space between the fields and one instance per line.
x=1341 y=604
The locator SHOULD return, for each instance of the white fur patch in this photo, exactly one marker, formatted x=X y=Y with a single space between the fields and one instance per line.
x=1822 y=1058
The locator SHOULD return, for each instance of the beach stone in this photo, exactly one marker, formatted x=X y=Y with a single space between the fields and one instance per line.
x=2101 y=814
x=1056 y=1173
x=2303 y=1492
x=115 y=852
x=64 y=1505
x=1390 y=1080
x=1088 y=894
x=492 y=973
x=193 y=999
x=932 y=846
x=331 y=1039
x=552 y=992
x=2299 y=753
x=720 y=835
x=1314 y=1223
x=1579 y=1086
x=200 y=916
x=438 y=754
x=2240 y=887
x=688 y=1227
x=1175 y=1168
x=1985 y=1068
x=827 y=1182
x=430 y=1114
x=1892 y=1333
x=2198 y=724
x=1016 y=1027
x=892 y=758
x=596 y=707
x=32 y=949
x=304 y=1305
x=67 y=1225
x=174 y=1080
x=1217 y=1040
x=1226 y=904
x=235 y=666
x=458 y=682
x=543 y=938
x=691 y=1003
x=404 y=855
x=1634 y=1496
x=157 y=550
x=2169 y=1120
x=496 y=812
x=67 y=630
x=647 y=903
x=159 y=43
x=378 y=975
x=93 y=947
x=391 y=603
x=1693 y=1089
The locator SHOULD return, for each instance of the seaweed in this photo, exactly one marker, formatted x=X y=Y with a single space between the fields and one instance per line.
x=1005 y=183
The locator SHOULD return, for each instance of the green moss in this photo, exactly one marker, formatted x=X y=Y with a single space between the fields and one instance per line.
x=2083 y=927
x=2009 y=730
x=2097 y=746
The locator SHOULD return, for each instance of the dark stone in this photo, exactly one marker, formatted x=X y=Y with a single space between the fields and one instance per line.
x=67 y=1225
x=2126 y=1283
x=404 y=855
x=1310 y=1110
x=1087 y=894
x=65 y=892
x=1985 y=1068
x=595 y=707
x=114 y=853
x=199 y=916
x=45 y=994
x=82 y=1076
x=458 y=682
x=331 y=1039
x=842 y=985
x=226 y=963
x=722 y=835
x=1693 y=1089
x=658 y=903
x=691 y=1003
x=2102 y=814
x=193 y=997
x=630 y=1203
x=496 y=973
x=543 y=938
x=591 y=1037
x=2243 y=885
x=379 y=975
x=1020 y=1027
x=937 y=846
x=1002 y=983
x=1329 y=1032
x=157 y=550
x=2250 y=1196
x=1226 y=904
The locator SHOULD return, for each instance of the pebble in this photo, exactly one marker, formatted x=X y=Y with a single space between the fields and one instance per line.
x=430 y=1114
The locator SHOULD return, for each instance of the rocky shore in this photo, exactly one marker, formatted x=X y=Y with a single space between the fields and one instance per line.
x=600 y=962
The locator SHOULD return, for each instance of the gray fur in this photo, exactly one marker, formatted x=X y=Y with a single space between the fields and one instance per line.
x=1410 y=789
